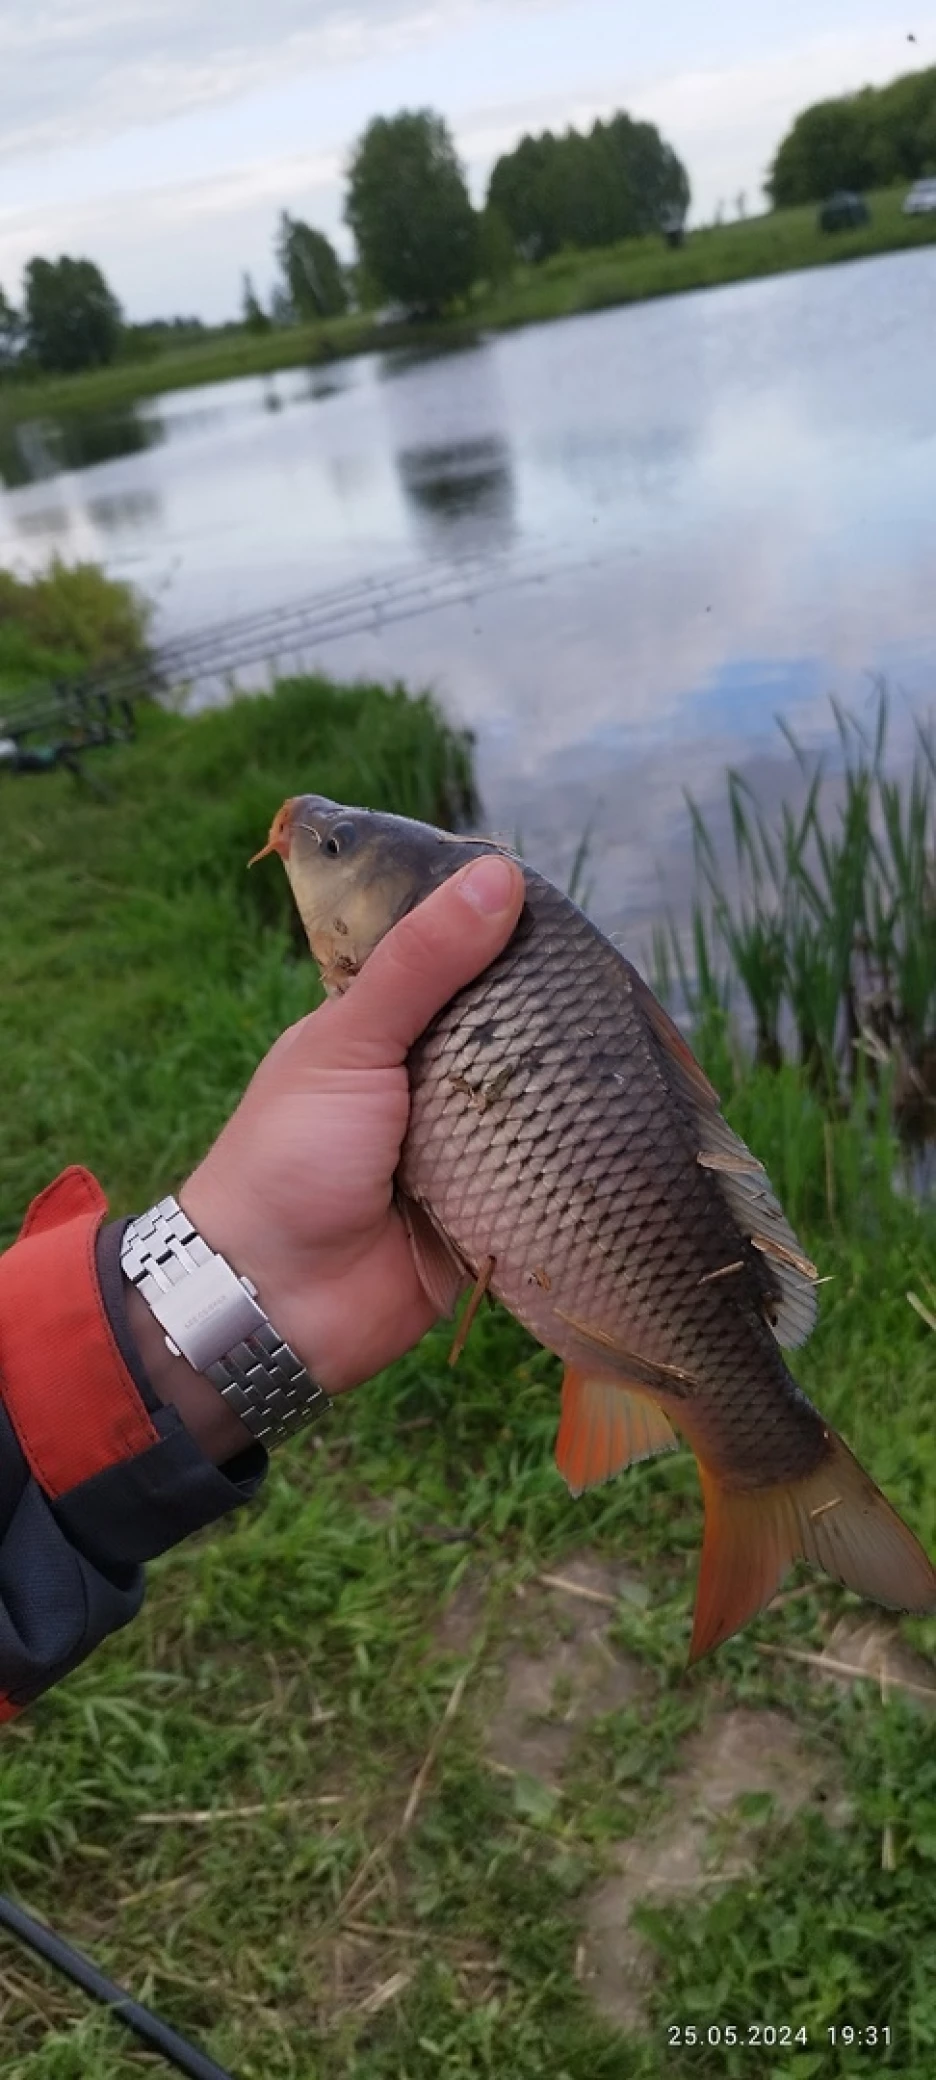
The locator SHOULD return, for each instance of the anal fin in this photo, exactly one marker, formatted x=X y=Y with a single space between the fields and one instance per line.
x=604 y=1427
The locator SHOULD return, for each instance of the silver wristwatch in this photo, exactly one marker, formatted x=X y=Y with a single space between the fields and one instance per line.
x=211 y=1317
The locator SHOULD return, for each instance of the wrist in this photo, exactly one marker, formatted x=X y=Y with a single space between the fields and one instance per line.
x=216 y=1429
x=284 y=1280
x=212 y=1340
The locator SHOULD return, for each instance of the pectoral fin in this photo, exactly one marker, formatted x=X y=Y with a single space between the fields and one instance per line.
x=604 y=1427
x=442 y=1273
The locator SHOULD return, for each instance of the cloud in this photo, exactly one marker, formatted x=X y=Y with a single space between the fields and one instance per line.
x=179 y=246
x=724 y=121
x=728 y=122
x=171 y=132
x=70 y=73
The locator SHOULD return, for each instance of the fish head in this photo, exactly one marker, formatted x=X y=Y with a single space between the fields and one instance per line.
x=355 y=872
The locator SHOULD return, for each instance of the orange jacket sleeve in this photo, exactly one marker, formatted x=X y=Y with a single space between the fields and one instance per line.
x=95 y=1474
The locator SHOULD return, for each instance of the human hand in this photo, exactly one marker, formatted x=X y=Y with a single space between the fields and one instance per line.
x=297 y=1191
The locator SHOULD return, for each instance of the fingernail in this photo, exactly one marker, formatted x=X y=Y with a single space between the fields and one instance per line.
x=488 y=883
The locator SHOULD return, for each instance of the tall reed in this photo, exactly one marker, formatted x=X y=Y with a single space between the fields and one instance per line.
x=824 y=919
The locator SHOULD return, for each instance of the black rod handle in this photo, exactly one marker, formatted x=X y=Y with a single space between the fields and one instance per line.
x=153 y=2031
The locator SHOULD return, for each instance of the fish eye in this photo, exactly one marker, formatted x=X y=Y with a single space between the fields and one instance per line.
x=340 y=838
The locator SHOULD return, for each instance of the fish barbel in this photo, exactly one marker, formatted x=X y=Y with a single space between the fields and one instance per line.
x=565 y=1148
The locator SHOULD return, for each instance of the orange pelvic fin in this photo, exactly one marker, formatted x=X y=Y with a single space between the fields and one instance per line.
x=836 y=1518
x=605 y=1427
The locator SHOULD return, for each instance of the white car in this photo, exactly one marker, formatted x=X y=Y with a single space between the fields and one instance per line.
x=921 y=199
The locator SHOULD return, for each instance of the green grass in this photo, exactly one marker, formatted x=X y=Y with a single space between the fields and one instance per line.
x=293 y=1654
x=571 y=282
x=639 y=269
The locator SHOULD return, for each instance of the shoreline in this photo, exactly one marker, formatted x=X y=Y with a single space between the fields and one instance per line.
x=572 y=284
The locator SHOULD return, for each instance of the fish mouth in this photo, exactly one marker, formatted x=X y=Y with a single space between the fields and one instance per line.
x=280 y=838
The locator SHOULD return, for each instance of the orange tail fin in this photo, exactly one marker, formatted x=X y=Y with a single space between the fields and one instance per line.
x=836 y=1518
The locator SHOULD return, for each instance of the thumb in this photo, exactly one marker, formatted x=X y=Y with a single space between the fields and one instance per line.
x=432 y=953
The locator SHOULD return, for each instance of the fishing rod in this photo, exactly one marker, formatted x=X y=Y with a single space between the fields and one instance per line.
x=99 y=710
x=220 y=645
x=357 y=607
x=150 y=2028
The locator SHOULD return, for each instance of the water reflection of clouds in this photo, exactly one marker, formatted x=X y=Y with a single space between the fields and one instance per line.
x=598 y=701
x=620 y=464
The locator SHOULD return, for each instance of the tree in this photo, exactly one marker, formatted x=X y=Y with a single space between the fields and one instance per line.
x=620 y=180
x=255 y=317
x=525 y=190
x=11 y=332
x=73 y=320
x=870 y=139
x=652 y=182
x=496 y=251
x=409 y=209
x=311 y=270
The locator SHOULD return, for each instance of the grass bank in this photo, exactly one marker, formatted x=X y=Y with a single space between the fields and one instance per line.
x=570 y=283
x=216 y=1804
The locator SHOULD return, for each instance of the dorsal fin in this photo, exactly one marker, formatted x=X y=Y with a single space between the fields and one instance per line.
x=788 y=1278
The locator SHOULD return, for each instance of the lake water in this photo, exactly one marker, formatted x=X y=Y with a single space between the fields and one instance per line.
x=721 y=507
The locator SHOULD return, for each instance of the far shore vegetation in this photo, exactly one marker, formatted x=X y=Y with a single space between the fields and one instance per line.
x=568 y=285
x=364 y=1776
x=570 y=223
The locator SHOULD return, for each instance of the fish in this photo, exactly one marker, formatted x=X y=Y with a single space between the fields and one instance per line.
x=566 y=1152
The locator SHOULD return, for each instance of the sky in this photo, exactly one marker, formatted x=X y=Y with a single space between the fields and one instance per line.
x=162 y=138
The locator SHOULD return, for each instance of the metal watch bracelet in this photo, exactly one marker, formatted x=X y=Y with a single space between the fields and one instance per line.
x=211 y=1317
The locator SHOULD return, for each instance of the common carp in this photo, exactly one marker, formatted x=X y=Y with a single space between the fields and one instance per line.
x=566 y=1150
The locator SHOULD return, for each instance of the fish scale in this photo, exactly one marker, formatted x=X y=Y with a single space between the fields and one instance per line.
x=617 y=1208
x=564 y=1143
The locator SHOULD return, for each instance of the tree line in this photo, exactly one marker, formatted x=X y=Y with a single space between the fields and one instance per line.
x=422 y=245
x=866 y=140
x=420 y=242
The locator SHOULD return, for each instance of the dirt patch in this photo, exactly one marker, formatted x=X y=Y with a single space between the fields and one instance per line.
x=704 y=1843
x=462 y=1617
x=862 y=1646
x=563 y=1672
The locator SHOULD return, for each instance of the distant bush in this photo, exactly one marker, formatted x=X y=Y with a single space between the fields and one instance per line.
x=865 y=140
x=72 y=617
